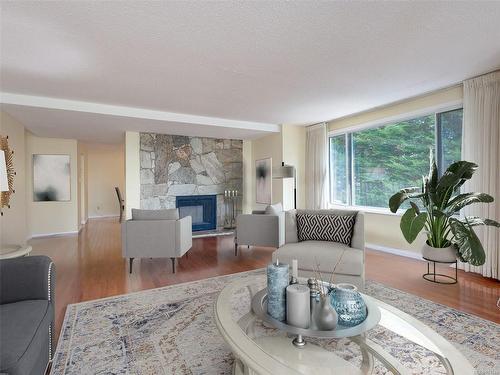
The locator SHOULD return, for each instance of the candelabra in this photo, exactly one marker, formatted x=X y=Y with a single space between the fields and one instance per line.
x=230 y=208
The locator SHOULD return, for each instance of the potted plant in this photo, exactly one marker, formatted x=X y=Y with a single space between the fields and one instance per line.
x=448 y=235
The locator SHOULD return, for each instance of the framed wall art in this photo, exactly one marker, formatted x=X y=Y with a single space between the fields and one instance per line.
x=263 y=180
x=51 y=178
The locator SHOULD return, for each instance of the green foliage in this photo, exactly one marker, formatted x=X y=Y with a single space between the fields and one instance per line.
x=386 y=158
x=441 y=201
x=470 y=248
x=412 y=223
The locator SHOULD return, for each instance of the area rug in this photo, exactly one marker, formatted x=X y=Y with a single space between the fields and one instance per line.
x=171 y=330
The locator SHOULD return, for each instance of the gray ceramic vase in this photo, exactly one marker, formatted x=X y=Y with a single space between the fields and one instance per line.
x=324 y=315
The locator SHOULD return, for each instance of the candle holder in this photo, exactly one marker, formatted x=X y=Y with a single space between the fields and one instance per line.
x=230 y=208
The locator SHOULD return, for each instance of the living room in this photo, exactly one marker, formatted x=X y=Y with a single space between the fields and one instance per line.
x=249 y=187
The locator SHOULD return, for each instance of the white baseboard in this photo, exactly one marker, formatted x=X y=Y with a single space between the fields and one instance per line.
x=390 y=250
x=56 y=234
x=102 y=216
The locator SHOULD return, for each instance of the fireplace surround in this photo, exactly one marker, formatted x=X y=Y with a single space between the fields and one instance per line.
x=201 y=208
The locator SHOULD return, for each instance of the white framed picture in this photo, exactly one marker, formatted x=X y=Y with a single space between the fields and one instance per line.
x=51 y=178
x=263 y=180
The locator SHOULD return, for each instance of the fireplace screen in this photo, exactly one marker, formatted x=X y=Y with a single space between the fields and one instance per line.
x=201 y=208
x=196 y=213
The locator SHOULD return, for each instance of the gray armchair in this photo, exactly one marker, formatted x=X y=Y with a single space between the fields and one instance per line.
x=325 y=254
x=156 y=234
x=260 y=229
x=26 y=314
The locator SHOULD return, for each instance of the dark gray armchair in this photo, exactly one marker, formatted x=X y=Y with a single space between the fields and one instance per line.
x=26 y=314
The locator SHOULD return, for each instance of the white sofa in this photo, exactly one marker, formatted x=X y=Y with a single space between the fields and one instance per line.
x=351 y=268
x=156 y=234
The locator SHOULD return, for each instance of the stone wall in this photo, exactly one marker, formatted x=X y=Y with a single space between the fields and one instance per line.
x=173 y=165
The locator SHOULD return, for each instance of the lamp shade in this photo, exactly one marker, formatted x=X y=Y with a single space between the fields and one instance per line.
x=4 y=182
x=284 y=171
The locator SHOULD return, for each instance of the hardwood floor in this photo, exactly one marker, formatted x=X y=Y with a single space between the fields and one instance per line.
x=90 y=266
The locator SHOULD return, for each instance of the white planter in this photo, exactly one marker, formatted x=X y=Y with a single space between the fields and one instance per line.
x=445 y=254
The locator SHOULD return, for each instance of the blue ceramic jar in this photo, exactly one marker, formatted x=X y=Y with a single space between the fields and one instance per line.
x=349 y=304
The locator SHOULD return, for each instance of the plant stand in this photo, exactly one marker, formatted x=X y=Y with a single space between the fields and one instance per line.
x=445 y=279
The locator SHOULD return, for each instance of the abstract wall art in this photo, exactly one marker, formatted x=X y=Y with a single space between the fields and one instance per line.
x=263 y=180
x=51 y=178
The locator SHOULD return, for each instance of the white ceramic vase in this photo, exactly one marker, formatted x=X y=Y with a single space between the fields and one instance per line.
x=445 y=254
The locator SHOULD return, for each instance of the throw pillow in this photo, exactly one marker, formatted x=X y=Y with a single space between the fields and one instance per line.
x=335 y=228
x=274 y=209
x=167 y=214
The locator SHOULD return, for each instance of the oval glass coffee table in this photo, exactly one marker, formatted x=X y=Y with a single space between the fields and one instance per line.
x=399 y=344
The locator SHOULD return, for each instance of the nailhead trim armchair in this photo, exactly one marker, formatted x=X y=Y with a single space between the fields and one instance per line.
x=26 y=314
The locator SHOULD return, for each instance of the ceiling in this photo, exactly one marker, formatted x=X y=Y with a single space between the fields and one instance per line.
x=254 y=64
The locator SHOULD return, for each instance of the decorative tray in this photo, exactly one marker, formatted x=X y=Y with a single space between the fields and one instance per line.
x=259 y=307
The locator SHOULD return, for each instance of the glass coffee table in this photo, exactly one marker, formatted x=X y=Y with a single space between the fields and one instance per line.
x=399 y=344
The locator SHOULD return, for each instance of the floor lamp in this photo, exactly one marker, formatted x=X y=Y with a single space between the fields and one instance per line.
x=287 y=171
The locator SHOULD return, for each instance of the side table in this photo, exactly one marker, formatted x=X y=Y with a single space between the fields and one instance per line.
x=14 y=251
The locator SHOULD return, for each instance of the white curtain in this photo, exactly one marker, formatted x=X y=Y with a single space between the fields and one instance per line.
x=317 y=167
x=481 y=144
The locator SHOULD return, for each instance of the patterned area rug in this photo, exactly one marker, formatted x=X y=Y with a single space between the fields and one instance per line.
x=171 y=330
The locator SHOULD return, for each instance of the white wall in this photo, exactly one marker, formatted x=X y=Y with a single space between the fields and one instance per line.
x=13 y=229
x=105 y=165
x=46 y=218
x=132 y=172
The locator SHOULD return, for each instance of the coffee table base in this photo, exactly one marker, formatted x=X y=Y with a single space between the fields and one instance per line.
x=299 y=341
x=310 y=359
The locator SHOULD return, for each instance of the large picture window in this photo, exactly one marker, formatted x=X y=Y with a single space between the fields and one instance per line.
x=369 y=165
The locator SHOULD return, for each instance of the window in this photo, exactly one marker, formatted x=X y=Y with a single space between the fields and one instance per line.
x=368 y=166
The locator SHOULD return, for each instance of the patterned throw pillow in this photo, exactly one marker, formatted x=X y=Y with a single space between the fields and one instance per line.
x=333 y=228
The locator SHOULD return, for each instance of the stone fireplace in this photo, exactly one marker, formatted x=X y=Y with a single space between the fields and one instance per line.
x=175 y=166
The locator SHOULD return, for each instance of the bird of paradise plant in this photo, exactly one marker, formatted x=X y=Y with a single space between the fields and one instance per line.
x=442 y=202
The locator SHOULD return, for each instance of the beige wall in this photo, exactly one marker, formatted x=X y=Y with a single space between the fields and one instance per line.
x=132 y=173
x=383 y=229
x=13 y=229
x=45 y=218
x=294 y=153
x=287 y=146
x=82 y=185
x=105 y=170
x=248 y=178
x=269 y=146
x=450 y=95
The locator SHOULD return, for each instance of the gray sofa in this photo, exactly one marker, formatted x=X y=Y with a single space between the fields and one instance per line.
x=26 y=315
x=156 y=234
x=351 y=268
